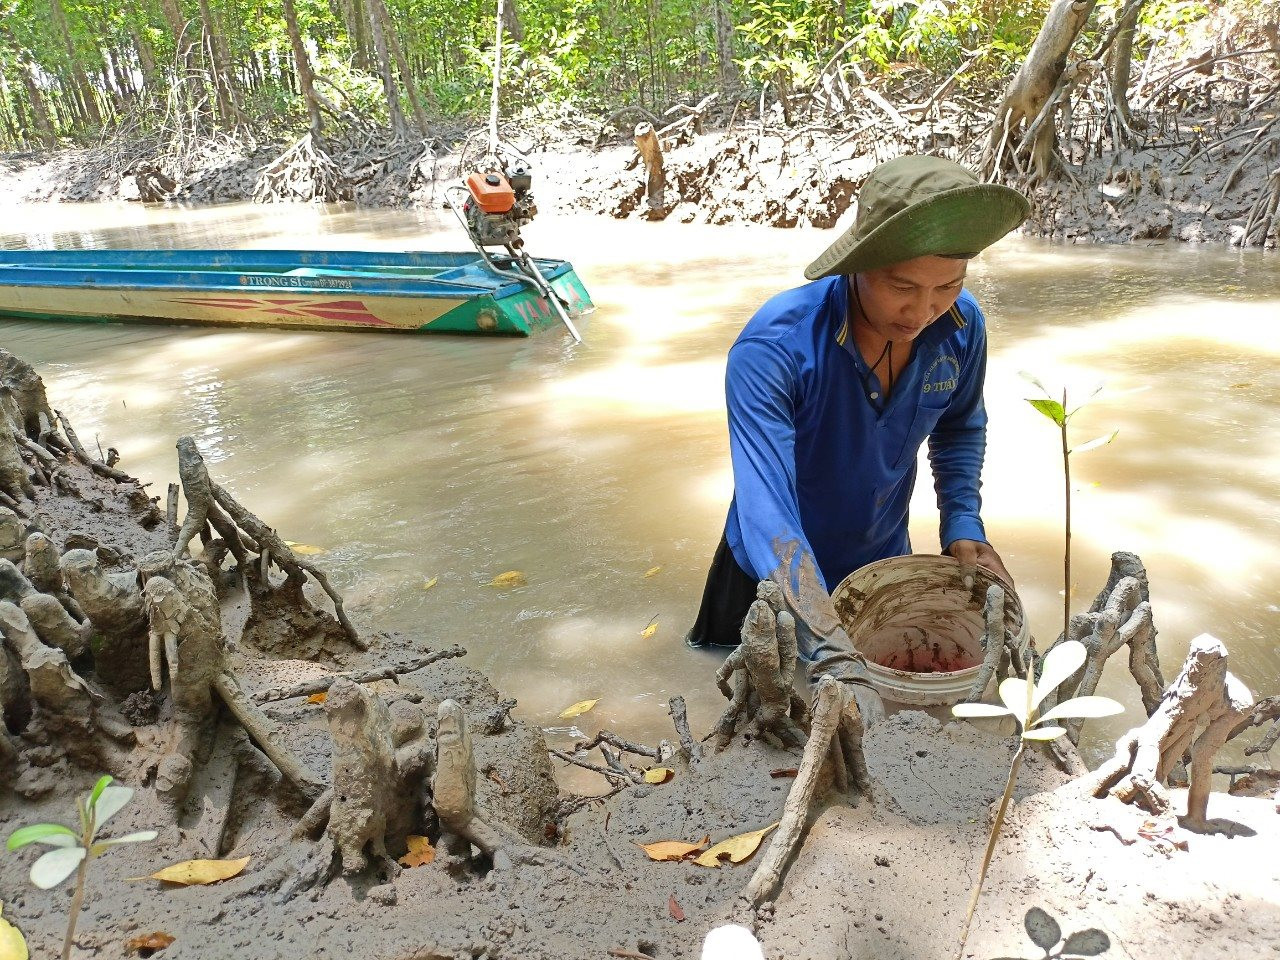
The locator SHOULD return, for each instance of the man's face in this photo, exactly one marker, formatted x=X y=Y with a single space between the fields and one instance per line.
x=902 y=299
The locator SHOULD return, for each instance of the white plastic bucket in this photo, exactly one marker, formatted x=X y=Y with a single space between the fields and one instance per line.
x=918 y=626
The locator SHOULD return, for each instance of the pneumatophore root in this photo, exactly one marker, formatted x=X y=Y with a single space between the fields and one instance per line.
x=1197 y=714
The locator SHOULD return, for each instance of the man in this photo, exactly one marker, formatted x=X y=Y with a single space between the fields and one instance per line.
x=831 y=390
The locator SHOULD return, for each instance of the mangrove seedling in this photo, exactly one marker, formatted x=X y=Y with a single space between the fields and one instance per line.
x=73 y=850
x=1046 y=934
x=1059 y=414
x=1021 y=699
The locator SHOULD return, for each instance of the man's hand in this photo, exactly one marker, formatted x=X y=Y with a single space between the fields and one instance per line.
x=975 y=553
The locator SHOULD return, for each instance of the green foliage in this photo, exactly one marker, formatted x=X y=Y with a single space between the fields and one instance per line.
x=72 y=851
x=97 y=64
x=785 y=39
x=70 y=847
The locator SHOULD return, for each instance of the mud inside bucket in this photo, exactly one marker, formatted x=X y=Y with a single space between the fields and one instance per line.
x=920 y=627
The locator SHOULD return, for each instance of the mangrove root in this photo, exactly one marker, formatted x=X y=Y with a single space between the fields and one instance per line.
x=185 y=631
x=1120 y=616
x=766 y=665
x=113 y=604
x=239 y=529
x=1198 y=713
x=833 y=708
x=312 y=687
x=364 y=766
x=1002 y=657
x=453 y=796
x=304 y=172
x=15 y=480
x=65 y=705
x=1266 y=710
x=49 y=618
x=42 y=565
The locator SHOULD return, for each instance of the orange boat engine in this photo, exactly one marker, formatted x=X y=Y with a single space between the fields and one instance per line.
x=500 y=203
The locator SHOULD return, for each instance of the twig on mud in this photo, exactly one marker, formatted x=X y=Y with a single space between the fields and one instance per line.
x=605 y=736
x=97 y=466
x=364 y=676
x=614 y=760
x=629 y=954
x=613 y=775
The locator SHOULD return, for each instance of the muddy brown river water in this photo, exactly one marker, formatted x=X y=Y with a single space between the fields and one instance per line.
x=417 y=459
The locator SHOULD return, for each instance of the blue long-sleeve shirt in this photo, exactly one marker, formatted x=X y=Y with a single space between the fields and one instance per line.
x=818 y=464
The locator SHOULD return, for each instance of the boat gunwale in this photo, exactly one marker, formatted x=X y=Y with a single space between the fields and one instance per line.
x=14 y=275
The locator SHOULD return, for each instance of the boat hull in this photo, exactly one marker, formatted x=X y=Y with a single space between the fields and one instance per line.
x=408 y=293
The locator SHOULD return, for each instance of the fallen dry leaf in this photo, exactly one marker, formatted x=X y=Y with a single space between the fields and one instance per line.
x=149 y=941
x=577 y=709
x=672 y=849
x=784 y=772
x=13 y=946
x=652 y=572
x=320 y=697
x=735 y=849
x=676 y=911
x=658 y=775
x=304 y=549
x=512 y=578
x=430 y=583
x=199 y=872
x=421 y=852
x=650 y=630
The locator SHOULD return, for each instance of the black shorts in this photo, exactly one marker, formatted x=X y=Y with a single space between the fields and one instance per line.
x=726 y=598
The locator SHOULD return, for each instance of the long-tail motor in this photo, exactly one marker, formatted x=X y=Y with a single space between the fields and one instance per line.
x=493 y=206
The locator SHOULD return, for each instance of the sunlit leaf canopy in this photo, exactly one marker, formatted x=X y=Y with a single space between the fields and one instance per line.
x=72 y=69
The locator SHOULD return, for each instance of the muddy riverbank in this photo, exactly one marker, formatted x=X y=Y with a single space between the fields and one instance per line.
x=1176 y=191
x=265 y=766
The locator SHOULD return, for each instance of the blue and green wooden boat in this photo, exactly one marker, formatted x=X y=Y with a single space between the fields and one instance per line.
x=301 y=289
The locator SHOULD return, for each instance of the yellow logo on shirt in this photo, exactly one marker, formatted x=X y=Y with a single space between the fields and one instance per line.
x=943 y=375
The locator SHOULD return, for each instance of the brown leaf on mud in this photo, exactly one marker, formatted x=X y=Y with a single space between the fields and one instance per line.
x=577 y=709
x=650 y=630
x=658 y=775
x=421 y=852
x=783 y=772
x=735 y=849
x=149 y=941
x=1163 y=833
x=510 y=579
x=320 y=697
x=672 y=849
x=676 y=911
x=199 y=872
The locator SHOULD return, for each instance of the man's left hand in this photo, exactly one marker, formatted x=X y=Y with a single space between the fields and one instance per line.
x=973 y=553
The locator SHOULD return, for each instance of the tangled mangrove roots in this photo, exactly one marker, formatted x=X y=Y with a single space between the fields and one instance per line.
x=305 y=172
x=241 y=533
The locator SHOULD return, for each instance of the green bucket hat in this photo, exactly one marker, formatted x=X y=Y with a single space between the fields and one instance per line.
x=917 y=206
